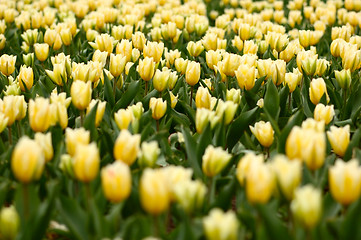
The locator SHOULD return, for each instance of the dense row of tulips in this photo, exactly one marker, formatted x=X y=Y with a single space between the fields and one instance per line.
x=170 y=119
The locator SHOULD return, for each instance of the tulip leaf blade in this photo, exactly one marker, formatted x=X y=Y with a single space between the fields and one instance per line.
x=272 y=100
x=89 y=121
x=355 y=141
x=191 y=151
x=108 y=91
x=128 y=96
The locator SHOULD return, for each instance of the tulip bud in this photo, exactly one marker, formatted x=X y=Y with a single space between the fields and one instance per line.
x=212 y=58
x=221 y=226
x=336 y=46
x=103 y=42
x=75 y=137
x=263 y=131
x=28 y=59
x=116 y=181
x=230 y=64
x=173 y=77
x=123 y=118
x=7 y=64
x=100 y=110
x=323 y=113
x=304 y=38
x=9 y=223
x=27 y=160
x=203 y=98
x=26 y=77
x=149 y=154
x=158 y=107
x=307 y=206
x=126 y=147
x=137 y=109
x=86 y=162
x=214 y=160
x=339 y=139
x=321 y=66
x=260 y=183
x=317 y=90
x=345 y=181
x=193 y=73
x=195 y=48
x=227 y=110
x=41 y=51
x=244 y=165
x=233 y=95
x=66 y=165
x=160 y=79
x=238 y=43
x=181 y=65
x=190 y=194
x=138 y=40
x=146 y=68
x=288 y=174
x=154 y=50
x=41 y=114
x=81 y=94
x=117 y=64
x=154 y=194
x=343 y=78
x=309 y=65
x=246 y=76
x=44 y=141
x=313 y=149
x=125 y=48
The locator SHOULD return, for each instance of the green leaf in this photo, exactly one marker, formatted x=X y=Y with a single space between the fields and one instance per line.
x=239 y=125
x=295 y=119
x=89 y=121
x=191 y=151
x=351 y=225
x=272 y=100
x=128 y=96
x=355 y=141
x=108 y=91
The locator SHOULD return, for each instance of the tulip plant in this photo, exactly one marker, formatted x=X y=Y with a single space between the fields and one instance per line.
x=170 y=119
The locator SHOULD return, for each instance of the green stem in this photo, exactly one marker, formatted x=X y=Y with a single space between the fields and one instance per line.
x=10 y=136
x=26 y=200
x=157 y=125
x=156 y=226
x=146 y=88
x=191 y=98
x=81 y=117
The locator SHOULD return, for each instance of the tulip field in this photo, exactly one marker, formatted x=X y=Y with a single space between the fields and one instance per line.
x=180 y=119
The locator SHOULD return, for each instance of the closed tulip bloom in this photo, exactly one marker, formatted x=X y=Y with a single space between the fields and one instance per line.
x=149 y=154
x=221 y=226
x=9 y=223
x=153 y=191
x=100 y=110
x=158 y=107
x=278 y=71
x=203 y=98
x=263 y=67
x=13 y=107
x=339 y=139
x=324 y=113
x=195 y=48
x=233 y=95
x=244 y=165
x=27 y=160
x=263 y=131
x=138 y=40
x=100 y=57
x=81 y=94
x=173 y=100
x=3 y=121
x=181 y=65
x=104 y=43
x=160 y=79
x=7 y=64
x=154 y=50
x=317 y=90
x=117 y=64
x=307 y=206
x=336 y=46
x=238 y=43
x=26 y=76
x=116 y=181
x=226 y=110
x=260 y=183
x=41 y=114
x=126 y=147
x=288 y=174
x=351 y=59
x=250 y=47
x=146 y=68
x=86 y=162
x=304 y=38
x=309 y=65
x=41 y=51
x=75 y=137
x=190 y=194
x=212 y=58
x=45 y=143
x=291 y=79
x=230 y=64
x=123 y=118
x=214 y=160
x=125 y=48
x=58 y=75
x=343 y=78
x=345 y=181
x=294 y=143
x=313 y=149
x=246 y=76
x=66 y=36
x=193 y=73
x=321 y=66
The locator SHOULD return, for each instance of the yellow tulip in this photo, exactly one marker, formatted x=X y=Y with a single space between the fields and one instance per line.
x=158 y=107
x=221 y=226
x=214 y=160
x=154 y=194
x=263 y=131
x=41 y=51
x=244 y=165
x=45 y=143
x=81 y=94
x=9 y=223
x=203 y=98
x=146 y=68
x=27 y=160
x=323 y=113
x=117 y=64
x=7 y=64
x=160 y=79
x=100 y=110
x=86 y=162
x=41 y=114
x=126 y=147
x=339 y=139
x=26 y=76
x=123 y=118
x=317 y=90
x=345 y=181
x=193 y=73
x=116 y=181
x=75 y=137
